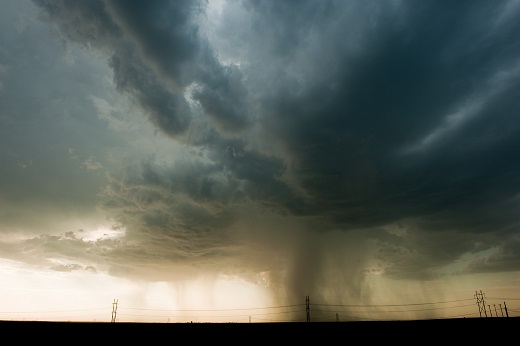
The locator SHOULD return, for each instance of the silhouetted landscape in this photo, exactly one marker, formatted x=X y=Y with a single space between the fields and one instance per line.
x=441 y=330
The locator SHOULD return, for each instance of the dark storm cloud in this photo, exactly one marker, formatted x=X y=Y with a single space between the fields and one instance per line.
x=155 y=53
x=167 y=110
x=162 y=31
x=224 y=100
x=444 y=76
x=350 y=115
x=168 y=40
x=89 y=24
x=345 y=139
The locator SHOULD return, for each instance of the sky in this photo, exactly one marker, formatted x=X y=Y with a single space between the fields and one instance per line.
x=225 y=160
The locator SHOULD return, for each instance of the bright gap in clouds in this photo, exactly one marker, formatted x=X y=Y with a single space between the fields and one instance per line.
x=101 y=233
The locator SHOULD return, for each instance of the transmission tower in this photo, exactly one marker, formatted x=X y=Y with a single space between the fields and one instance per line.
x=114 y=310
x=307 y=303
x=481 y=303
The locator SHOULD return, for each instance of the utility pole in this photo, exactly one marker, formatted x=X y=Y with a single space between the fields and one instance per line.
x=505 y=307
x=481 y=303
x=307 y=303
x=114 y=310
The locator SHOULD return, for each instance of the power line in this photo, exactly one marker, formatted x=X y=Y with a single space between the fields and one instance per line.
x=408 y=310
x=185 y=316
x=393 y=305
x=50 y=311
x=205 y=310
x=320 y=311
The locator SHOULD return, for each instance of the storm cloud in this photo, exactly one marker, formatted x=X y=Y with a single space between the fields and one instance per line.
x=321 y=140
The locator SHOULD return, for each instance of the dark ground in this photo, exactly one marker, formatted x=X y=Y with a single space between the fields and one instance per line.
x=446 y=331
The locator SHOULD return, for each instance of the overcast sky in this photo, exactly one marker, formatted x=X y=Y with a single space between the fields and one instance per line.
x=299 y=148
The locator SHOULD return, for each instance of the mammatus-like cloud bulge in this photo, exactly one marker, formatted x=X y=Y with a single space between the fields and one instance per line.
x=397 y=125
